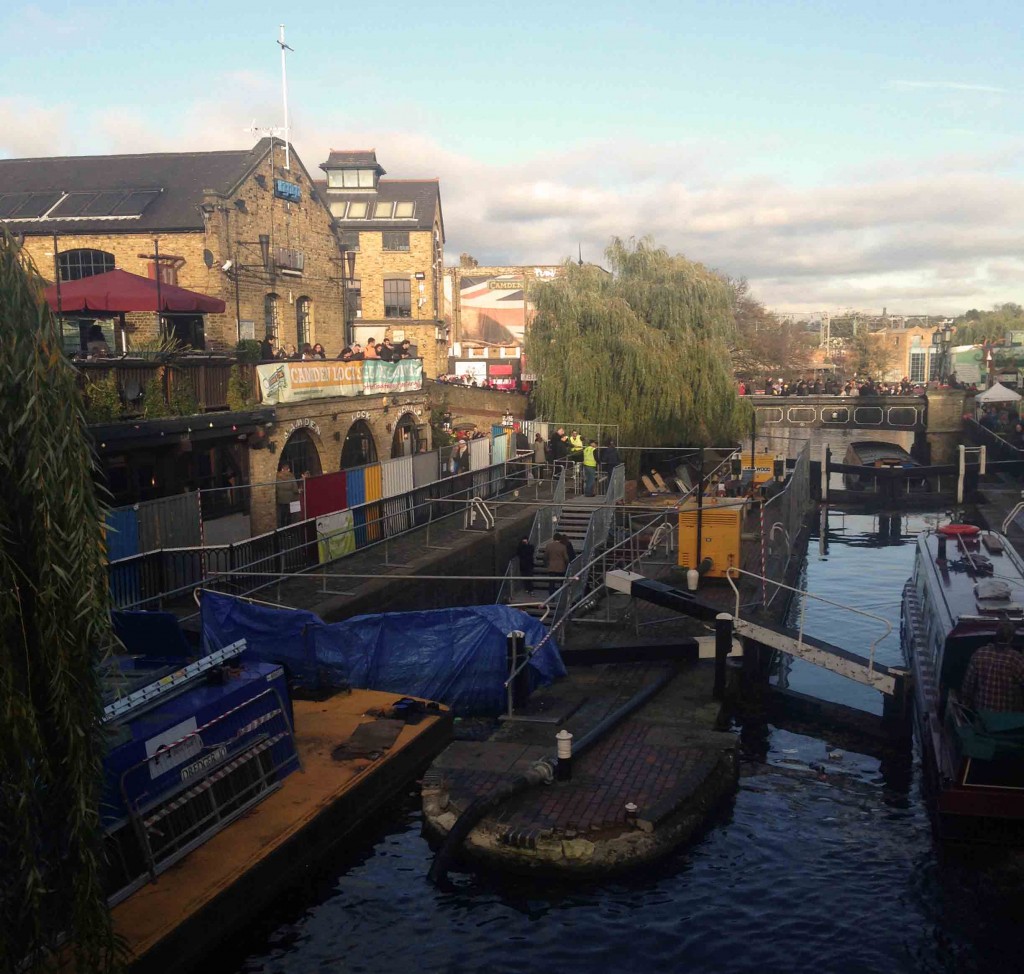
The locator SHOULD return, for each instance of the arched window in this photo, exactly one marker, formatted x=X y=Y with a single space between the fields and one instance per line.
x=271 y=315
x=360 y=448
x=301 y=454
x=406 y=440
x=303 y=321
x=73 y=265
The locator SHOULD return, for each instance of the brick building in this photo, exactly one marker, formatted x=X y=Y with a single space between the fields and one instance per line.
x=237 y=225
x=392 y=232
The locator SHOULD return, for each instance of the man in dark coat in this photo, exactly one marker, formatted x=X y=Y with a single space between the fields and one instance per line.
x=609 y=457
x=525 y=553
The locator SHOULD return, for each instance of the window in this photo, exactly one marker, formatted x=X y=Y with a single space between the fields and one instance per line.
x=351 y=178
x=271 y=315
x=303 y=321
x=349 y=239
x=398 y=298
x=918 y=364
x=357 y=211
x=404 y=210
x=338 y=210
x=396 y=240
x=382 y=211
x=73 y=265
x=354 y=298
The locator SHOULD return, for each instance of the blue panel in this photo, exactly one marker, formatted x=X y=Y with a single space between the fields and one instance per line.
x=122 y=533
x=355 y=487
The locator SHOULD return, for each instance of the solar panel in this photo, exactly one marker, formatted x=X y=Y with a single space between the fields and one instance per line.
x=103 y=204
x=24 y=206
x=73 y=205
x=135 y=202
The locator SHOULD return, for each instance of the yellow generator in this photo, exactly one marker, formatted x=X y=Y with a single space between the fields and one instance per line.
x=764 y=465
x=720 y=530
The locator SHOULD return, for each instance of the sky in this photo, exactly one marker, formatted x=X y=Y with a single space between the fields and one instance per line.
x=837 y=155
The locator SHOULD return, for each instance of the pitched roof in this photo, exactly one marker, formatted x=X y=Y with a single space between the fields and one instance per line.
x=424 y=194
x=352 y=159
x=122 y=193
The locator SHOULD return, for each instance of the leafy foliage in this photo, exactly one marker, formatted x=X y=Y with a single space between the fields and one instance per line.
x=767 y=345
x=868 y=356
x=248 y=350
x=646 y=347
x=239 y=389
x=102 y=400
x=977 y=327
x=54 y=627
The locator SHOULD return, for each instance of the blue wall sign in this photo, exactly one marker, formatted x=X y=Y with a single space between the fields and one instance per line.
x=287 y=191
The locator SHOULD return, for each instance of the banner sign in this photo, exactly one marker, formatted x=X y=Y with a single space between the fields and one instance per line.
x=335 y=536
x=404 y=376
x=296 y=381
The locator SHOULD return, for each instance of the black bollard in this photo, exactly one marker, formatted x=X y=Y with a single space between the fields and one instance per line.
x=723 y=646
x=515 y=652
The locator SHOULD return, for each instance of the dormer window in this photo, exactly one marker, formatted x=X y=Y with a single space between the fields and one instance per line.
x=351 y=178
x=382 y=211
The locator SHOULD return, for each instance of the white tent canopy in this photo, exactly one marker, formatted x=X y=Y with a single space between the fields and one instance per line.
x=998 y=393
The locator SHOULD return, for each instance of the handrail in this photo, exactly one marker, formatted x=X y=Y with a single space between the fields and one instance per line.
x=820 y=598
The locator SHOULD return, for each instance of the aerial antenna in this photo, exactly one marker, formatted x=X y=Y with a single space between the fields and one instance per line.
x=284 y=92
x=581 y=253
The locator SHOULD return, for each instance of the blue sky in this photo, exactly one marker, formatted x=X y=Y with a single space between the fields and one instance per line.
x=837 y=154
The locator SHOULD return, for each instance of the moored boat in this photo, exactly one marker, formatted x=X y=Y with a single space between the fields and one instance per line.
x=965 y=582
x=874 y=455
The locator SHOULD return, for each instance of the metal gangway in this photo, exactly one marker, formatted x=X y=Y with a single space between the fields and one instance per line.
x=795 y=642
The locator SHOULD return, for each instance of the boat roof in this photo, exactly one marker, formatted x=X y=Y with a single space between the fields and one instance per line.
x=868 y=451
x=976 y=584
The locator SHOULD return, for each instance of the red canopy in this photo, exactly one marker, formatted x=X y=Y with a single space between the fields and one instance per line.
x=121 y=291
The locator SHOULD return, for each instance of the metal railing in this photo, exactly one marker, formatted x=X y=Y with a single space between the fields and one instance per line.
x=729 y=575
x=150 y=579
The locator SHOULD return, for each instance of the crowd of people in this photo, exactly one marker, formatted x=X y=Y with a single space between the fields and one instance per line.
x=385 y=351
x=473 y=383
x=834 y=387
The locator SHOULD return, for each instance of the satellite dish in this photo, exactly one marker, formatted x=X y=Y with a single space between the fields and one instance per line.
x=208 y=258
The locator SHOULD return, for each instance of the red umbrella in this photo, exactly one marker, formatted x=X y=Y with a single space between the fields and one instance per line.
x=121 y=291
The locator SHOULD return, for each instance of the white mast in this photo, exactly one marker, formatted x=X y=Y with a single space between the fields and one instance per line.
x=284 y=91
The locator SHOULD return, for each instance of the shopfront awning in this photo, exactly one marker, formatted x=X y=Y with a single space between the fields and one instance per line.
x=120 y=291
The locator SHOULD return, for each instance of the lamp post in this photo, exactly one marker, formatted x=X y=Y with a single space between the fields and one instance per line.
x=942 y=338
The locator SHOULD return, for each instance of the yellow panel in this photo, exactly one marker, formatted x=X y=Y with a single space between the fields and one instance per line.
x=720 y=531
x=763 y=466
x=372 y=480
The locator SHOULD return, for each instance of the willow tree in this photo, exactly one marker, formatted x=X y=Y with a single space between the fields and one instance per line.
x=645 y=347
x=55 y=626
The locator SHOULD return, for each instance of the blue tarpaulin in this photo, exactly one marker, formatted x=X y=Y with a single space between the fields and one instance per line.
x=456 y=656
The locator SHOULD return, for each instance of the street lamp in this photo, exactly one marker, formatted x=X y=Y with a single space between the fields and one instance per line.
x=942 y=338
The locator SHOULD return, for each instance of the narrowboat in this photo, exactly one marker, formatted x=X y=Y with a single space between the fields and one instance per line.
x=965 y=581
x=877 y=455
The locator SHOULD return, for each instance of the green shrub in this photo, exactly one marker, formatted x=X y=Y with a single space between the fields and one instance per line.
x=239 y=390
x=248 y=350
x=103 y=402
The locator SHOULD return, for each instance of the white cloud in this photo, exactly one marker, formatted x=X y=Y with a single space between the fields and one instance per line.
x=937 y=237
x=948 y=86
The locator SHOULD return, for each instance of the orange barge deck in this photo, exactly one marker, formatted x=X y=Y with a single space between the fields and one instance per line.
x=171 y=923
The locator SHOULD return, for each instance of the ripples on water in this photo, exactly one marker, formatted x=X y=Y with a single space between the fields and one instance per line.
x=799 y=873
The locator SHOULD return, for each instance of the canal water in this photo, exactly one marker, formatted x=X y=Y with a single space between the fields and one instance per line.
x=823 y=862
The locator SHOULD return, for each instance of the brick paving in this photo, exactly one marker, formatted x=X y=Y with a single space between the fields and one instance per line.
x=656 y=758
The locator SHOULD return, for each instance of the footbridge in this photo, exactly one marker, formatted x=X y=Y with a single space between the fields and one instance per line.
x=794 y=641
x=909 y=413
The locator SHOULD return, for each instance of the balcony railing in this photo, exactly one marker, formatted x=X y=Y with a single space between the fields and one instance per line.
x=163 y=386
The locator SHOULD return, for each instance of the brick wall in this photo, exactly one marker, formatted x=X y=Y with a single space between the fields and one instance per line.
x=484 y=407
x=232 y=232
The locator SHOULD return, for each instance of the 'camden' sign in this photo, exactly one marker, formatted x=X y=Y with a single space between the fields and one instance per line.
x=296 y=381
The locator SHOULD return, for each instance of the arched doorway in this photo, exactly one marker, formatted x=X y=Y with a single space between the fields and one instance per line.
x=301 y=454
x=359 y=448
x=406 y=440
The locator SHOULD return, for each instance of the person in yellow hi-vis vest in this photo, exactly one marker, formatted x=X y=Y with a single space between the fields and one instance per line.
x=589 y=468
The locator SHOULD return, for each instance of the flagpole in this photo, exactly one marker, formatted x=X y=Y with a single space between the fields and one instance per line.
x=284 y=93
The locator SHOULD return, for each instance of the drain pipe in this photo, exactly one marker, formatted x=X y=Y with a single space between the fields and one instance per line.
x=541 y=772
